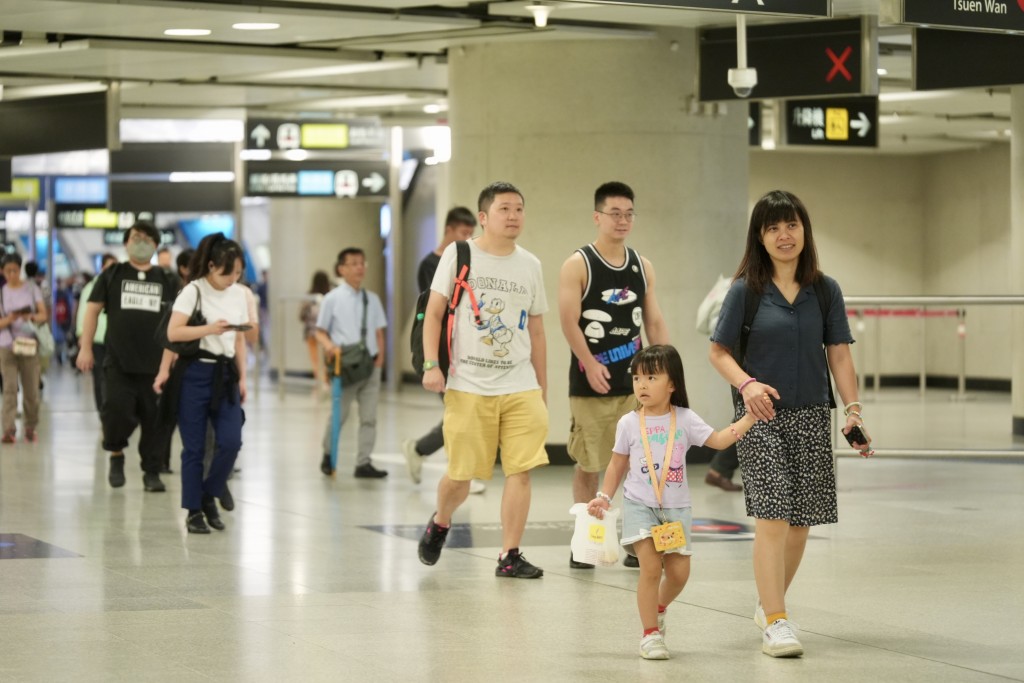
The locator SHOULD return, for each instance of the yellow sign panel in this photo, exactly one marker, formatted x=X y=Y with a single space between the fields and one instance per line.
x=100 y=218
x=22 y=189
x=324 y=136
x=837 y=124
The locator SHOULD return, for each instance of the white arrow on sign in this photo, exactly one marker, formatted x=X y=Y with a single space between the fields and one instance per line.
x=374 y=182
x=863 y=125
x=260 y=134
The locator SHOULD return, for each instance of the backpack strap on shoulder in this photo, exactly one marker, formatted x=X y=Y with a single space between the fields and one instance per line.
x=462 y=263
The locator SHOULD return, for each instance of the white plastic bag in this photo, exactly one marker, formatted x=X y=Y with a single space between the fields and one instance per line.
x=595 y=541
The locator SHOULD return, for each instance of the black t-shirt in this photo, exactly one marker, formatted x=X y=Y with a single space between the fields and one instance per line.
x=425 y=274
x=134 y=301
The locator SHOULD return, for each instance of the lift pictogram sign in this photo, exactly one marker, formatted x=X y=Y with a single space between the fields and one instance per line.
x=847 y=122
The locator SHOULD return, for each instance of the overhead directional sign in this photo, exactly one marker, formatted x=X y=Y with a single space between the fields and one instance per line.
x=986 y=15
x=284 y=135
x=805 y=59
x=846 y=122
x=320 y=178
x=950 y=59
x=803 y=8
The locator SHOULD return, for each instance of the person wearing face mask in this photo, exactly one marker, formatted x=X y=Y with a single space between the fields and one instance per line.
x=133 y=295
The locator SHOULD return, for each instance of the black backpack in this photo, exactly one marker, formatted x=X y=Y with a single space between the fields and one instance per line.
x=750 y=305
x=444 y=346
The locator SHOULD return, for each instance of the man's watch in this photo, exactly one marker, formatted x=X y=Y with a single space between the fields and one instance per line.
x=429 y=365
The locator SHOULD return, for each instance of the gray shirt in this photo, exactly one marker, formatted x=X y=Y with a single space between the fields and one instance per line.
x=784 y=349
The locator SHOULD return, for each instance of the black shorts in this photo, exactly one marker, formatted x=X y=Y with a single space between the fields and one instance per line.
x=788 y=469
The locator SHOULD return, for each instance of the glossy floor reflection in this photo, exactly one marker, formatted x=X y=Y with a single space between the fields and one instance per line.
x=920 y=580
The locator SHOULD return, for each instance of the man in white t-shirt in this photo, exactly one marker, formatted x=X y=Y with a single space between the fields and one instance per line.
x=496 y=389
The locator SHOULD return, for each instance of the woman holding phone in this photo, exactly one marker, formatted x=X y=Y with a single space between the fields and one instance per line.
x=798 y=334
x=210 y=385
x=21 y=309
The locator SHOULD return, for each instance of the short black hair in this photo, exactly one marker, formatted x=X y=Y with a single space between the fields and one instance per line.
x=349 y=251
x=12 y=257
x=460 y=215
x=184 y=258
x=146 y=227
x=612 y=189
x=107 y=258
x=487 y=195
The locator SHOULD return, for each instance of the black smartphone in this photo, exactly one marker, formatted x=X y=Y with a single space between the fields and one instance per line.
x=240 y=328
x=857 y=434
x=25 y=310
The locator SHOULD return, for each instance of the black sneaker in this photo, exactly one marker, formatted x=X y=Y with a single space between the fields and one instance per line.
x=195 y=524
x=515 y=566
x=630 y=561
x=573 y=564
x=325 y=465
x=368 y=471
x=227 y=501
x=116 y=475
x=151 y=482
x=432 y=541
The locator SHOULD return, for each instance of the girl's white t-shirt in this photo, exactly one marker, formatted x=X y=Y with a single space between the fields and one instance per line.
x=216 y=304
x=691 y=430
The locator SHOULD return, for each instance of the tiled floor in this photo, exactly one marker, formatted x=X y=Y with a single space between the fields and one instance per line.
x=920 y=581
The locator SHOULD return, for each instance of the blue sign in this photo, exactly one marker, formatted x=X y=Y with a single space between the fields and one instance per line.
x=80 y=190
x=316 y=183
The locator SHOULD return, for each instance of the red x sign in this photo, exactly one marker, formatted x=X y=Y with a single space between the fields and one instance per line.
x=838 y=63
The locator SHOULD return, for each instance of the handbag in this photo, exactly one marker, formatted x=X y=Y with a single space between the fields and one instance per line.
x=356 y=361
x=25 y=346
x=45 y=340
x=196 y=319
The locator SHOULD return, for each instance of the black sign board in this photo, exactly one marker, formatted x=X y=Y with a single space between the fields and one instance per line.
x=845 y=122
x=139 y=196
x=340 y=179
x=284 y=134
x=803 y=8
x=171 y=157
x=54 y=124
x=5 y=174
x=754 y=124
x=950 y=59
x=805 y=59
x=987 y=15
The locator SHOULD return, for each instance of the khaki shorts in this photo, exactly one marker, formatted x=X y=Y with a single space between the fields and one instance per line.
x=592 y=434
x=476 y=426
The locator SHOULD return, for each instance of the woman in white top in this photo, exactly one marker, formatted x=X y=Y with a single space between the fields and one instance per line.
x=212 y=381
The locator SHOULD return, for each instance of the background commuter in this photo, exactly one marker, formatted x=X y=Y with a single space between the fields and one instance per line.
x=99 y=347
x=22 y=307
x=308 y=314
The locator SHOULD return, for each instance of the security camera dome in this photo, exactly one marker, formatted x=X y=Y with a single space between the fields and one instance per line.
x=742 y=81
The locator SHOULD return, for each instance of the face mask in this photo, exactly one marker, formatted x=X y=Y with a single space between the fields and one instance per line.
x=141 y=252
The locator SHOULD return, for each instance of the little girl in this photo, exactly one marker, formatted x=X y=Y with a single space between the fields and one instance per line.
x=650 y=451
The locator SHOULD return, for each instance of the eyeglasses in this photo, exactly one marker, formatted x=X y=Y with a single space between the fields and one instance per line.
x=618 y=216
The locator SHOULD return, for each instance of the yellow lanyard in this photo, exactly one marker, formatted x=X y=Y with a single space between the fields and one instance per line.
x=659 y=486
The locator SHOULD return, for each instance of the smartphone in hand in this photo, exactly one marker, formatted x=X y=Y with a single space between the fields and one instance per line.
x=240 y=328
x=857 y=435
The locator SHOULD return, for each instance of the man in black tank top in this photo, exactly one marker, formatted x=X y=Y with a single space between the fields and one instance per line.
x=605 y=295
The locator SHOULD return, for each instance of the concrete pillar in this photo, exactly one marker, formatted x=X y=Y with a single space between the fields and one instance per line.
x=1017 y=249
x=558 y=119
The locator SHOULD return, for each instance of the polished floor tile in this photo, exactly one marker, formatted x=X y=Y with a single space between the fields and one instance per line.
x=317 y=579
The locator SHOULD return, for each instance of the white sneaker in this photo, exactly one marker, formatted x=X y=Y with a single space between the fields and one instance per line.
x=760 y=620
x=653 y=647
x=779 y=640
x=477 y=486
x=413 y=460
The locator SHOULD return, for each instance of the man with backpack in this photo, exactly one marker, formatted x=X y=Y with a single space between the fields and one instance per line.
x=459 y=225
x=495 y=391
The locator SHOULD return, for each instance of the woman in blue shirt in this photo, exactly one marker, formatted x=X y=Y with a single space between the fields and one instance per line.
x=788 y=474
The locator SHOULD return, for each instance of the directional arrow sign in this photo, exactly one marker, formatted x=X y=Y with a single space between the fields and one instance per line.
x=374 y=182
x=260 y=134
x=846 y=122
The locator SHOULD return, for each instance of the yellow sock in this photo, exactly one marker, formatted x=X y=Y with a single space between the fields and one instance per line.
x=772 y=618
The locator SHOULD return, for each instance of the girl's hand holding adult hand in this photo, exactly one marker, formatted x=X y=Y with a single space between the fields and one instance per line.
x=757 y=398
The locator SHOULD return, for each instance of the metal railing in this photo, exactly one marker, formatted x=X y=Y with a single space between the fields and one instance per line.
x=859 y=306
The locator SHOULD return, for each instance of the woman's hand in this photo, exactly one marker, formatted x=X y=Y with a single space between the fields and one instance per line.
x=757 y=398
x=854 y=420
x=159 y=382
x=597 y=507
x=219 y=327
x=242 y=391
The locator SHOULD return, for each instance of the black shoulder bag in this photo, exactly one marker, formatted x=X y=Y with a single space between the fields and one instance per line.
x=356 y=361
x=187 y=348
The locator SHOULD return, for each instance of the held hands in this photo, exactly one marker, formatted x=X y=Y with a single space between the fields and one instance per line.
x=597 y=507
x=757 y=398
x=433 y=380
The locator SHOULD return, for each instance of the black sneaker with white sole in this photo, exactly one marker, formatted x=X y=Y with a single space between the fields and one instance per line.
x=515 y=566
x=432 y=541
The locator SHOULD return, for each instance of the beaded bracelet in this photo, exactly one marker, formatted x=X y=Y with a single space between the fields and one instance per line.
x=735 y=434
x=846 y=408
x=854 y=412
x=604 y=496
x=745 y=383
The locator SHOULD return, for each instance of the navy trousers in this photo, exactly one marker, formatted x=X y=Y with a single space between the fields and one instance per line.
x=195 y=410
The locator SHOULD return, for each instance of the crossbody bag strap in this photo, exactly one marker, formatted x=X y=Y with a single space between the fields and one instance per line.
x=362 y=327
x=824 y=296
